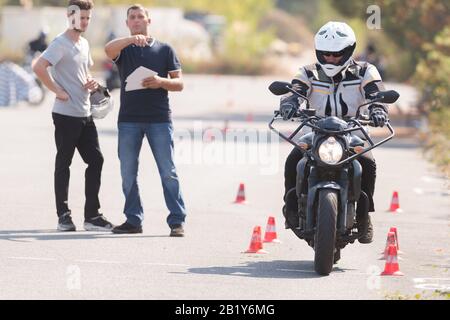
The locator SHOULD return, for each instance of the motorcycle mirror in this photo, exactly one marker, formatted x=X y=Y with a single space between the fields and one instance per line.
x=279 y=88
x=387 y=96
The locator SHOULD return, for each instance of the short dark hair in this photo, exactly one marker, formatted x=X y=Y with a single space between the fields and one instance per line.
x=137 y=7
x=82 y=4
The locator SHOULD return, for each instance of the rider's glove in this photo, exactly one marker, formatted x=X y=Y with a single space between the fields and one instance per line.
x=287 y=110
x=378 y=115
x=288 y=107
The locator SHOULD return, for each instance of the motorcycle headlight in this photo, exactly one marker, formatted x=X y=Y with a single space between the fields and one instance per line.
x=331 y=151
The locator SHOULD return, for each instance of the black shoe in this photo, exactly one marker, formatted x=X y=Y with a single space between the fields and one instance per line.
x=98 y=223
x=65 y=222
x=127 y=228
x=286 y=224
x=177 y=231
x=368 y=237
x=337 y=256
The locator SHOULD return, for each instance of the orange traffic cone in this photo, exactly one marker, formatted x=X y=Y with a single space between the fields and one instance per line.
x=208 y=136
x=240 y=198
x=391 y=267
x=395 y=204
x=225 y=128
x=389 y=241
x=271 y=232
x=256 y=245
x=394 y=230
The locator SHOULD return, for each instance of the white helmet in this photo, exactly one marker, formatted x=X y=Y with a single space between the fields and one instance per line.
x=338 y=38
x=101 y=103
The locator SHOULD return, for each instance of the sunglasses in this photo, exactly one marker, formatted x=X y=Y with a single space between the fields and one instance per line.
x=334 y=54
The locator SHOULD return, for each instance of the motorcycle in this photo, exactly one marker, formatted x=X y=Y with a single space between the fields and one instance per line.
x=112 y=77
x=327 y=208
x=37 y=91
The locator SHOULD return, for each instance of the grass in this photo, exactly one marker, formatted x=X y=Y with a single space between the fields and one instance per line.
x=425 y=295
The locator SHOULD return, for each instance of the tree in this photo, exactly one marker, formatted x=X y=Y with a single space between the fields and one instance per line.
x=245 y=43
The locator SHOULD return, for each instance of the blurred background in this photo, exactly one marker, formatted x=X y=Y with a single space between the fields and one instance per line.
x=259 y=38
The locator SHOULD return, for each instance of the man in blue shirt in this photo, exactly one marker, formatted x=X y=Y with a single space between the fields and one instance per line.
x=146 y=112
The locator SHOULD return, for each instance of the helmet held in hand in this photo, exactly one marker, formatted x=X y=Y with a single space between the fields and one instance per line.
x=101 y=103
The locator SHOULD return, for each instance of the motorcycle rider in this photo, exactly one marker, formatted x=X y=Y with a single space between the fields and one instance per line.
x=39 y=44
x=336 y=85
x=112 y=77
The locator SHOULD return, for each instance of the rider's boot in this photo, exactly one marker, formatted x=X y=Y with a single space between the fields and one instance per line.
x=368 y=237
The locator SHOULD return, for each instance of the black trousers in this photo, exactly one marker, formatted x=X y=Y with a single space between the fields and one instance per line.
x=77 y=133
x=369 y=170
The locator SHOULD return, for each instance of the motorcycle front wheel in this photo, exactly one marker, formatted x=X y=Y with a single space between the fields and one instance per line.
x=325 y=236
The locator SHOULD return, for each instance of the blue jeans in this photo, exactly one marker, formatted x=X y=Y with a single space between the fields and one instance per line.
x=160 y=139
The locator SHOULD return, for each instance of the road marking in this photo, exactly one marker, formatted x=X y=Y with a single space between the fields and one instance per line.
x=165 y=264
x=99 y=261
x=422 y=280
x=429 y=179
x=432 y=284
x=299 y=270
x=32 y=258
x=22 y=240
x=438 y=192
x=186 y=265
x=102 y=261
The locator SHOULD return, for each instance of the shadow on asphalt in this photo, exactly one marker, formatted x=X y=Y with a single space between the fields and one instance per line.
x=268 y=269
x=42 y=235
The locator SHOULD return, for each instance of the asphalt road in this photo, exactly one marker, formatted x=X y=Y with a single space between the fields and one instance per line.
x=36 y=262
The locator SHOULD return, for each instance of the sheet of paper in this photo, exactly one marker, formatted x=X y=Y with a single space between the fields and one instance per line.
x=130 y=86
x=141 y=73
x=134 y=80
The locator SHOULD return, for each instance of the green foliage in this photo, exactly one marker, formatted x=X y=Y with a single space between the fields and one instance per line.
x=56 y=3
x=438 y=143
x=432 y=77
x=245 y=44
x=425 y=295
x=122 y=2
x=305 y=8
x=352 y=8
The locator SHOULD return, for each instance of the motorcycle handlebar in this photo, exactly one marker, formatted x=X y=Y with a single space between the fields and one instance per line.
x=358 y=127
x=277 y=115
